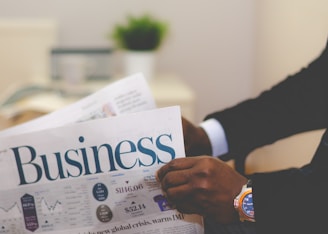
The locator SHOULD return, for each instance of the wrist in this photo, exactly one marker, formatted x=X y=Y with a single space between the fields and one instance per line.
x=204 y=141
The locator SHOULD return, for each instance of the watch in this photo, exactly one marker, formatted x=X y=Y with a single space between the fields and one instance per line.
x=243 y=203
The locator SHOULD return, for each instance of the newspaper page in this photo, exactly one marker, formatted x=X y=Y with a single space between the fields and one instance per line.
x=127 y=95
x=65 y=192
x=96 y=176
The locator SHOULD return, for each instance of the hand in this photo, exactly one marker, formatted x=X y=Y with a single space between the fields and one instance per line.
x=203 y=185
x=196 y=140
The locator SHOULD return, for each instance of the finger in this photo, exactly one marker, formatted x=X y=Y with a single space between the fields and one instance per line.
x=174 y=179
x=179 y=193
x=174 y=165
x=184 y=204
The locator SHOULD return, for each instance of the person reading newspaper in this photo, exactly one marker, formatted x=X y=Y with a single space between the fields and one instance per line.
x=287 y=201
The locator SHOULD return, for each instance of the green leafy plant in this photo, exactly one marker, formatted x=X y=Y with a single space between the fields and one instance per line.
x=142 y=33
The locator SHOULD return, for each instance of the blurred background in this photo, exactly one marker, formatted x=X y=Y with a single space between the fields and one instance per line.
x=222 y=51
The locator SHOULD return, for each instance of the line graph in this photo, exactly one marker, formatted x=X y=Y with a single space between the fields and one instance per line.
x=47 y=208
x=12 y=211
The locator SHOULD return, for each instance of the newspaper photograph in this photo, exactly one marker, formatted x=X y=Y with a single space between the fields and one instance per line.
x=84 y=173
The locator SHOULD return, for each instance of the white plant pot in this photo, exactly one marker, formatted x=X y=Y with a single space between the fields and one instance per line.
x=140 y=61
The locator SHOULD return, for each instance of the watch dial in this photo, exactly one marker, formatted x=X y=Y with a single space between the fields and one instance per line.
x=247 y=205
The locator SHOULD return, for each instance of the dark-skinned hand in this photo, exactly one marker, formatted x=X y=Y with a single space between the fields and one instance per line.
x=202 y=185
x=196 y=141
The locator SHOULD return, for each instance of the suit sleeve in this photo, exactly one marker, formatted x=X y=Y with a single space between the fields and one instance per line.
x=297 y=104
x=292 y=200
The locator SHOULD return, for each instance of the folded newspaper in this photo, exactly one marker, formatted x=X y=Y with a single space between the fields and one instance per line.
x=90 y=168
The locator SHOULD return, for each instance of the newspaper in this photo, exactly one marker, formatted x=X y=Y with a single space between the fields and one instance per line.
x=128 y=95
x=86 y=174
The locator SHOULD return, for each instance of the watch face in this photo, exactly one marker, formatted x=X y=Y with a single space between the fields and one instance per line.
x=247 y=205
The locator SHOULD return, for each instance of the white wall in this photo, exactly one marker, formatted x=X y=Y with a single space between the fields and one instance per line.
x=209 y=45
x=289 y=35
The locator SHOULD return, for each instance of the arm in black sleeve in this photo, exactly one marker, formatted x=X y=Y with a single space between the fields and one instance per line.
x=294 y=200
x=297 y=104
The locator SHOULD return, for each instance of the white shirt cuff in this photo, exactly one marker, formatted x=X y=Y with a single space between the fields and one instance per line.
x=216 y=135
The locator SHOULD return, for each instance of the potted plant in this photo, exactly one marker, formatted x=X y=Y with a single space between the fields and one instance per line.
x=139 y=37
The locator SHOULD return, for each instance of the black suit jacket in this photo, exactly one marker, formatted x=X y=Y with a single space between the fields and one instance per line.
x=293 y=200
